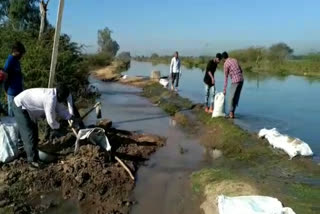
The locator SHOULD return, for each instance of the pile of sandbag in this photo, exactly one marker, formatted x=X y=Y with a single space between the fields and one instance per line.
x=251 y=205
x=9 y=138
x=292 y=146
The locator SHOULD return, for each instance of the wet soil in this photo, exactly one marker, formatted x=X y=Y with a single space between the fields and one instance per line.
x=90 y=180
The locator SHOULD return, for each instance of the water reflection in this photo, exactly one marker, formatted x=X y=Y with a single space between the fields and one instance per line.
x=288 y=103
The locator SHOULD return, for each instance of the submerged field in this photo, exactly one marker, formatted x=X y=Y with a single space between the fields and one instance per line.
x=248 y=165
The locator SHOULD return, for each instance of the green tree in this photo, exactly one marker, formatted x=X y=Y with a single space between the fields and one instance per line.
x=20 y=14
x=106 y=44
x=279 y=52
x=154 y=56
x=124 y=56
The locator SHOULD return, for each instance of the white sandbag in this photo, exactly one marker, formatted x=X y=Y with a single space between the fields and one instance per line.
x=218 y=110
x=95 y=135
x=9 y=138
x=164 y=82
x=251 y=205
x=292 y=146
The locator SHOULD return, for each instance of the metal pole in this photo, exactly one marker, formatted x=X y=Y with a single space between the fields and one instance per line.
x=56 y=45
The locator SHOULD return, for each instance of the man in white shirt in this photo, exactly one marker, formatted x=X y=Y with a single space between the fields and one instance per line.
x=34 y=104
x=175 y=71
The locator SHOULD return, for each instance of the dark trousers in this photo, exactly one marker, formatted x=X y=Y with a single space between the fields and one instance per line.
x=235 y=92
x=28 y=132
x=175 y=79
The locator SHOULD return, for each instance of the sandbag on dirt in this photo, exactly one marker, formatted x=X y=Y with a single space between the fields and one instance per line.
x=251 y=205
x=164 y=82
x=219 y=110
x=292 y=146
x=9 y=138
x=95 y=135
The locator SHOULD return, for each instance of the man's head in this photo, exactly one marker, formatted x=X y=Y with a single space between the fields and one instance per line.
x=218 y=58
x=225 y=55
x=18 y=50
x=62 y=93
x=176 y=54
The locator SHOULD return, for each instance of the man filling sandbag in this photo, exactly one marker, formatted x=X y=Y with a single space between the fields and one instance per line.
x=33 y=104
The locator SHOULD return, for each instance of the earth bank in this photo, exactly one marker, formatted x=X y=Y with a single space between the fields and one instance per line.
x=90 y=179
x=248 y=165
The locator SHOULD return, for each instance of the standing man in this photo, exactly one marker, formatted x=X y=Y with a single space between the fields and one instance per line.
x=210 y=82
x=175 y=71
x=14 y=83
x=232 y=69
x=34 y=104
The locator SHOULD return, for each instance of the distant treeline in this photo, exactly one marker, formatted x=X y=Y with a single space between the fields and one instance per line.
x=278 y=59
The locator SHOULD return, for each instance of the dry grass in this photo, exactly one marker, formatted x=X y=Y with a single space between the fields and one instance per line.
x=109 y=73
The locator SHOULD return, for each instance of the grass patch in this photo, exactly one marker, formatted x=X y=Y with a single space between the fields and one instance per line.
x=113 y=71
x=304 y=198
x=249 y=166
x=204 y=177
x=169 y=101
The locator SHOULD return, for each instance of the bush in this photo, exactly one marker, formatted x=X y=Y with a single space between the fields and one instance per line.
x=71 y=68
x=98 y=60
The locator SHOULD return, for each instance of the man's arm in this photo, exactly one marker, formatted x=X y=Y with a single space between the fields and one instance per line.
x=7 y=65
x=212 y=77
x=171 y=65
x=6 y=69
x=226 y=74
x=50 y=112
x=63 y=111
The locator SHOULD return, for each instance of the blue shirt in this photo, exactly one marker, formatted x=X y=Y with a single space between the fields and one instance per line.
x=14 y=83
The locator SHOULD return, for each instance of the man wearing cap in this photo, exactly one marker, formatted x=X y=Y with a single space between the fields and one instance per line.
x=34 y=104
x=210 y=82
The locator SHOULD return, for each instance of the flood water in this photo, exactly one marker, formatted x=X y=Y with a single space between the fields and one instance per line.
x=163 y=182
x=289 y=103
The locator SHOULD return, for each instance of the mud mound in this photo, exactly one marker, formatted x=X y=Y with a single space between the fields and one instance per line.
x=90 y=178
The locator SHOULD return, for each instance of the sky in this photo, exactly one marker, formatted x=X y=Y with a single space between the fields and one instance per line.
x=192 y=27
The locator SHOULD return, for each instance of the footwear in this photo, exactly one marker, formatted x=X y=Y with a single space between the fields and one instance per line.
x=210 y=110
x=231 y=115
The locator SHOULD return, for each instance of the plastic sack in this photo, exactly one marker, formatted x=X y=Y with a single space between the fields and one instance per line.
x=94 y=135
x=164 y=82
x=9 y=138
x=251 y=205
x=292 y=146
x=219 y=110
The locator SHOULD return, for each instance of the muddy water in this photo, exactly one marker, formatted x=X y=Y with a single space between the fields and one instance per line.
x=163 y=184
x=289 y=103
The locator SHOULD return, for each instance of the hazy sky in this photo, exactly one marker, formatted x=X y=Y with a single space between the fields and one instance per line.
x=193 y=27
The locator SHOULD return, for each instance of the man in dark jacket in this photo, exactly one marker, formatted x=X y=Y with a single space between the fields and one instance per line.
x=14 y=82
x=210 y=82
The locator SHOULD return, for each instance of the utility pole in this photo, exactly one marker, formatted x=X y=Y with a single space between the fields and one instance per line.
x=56 y=45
